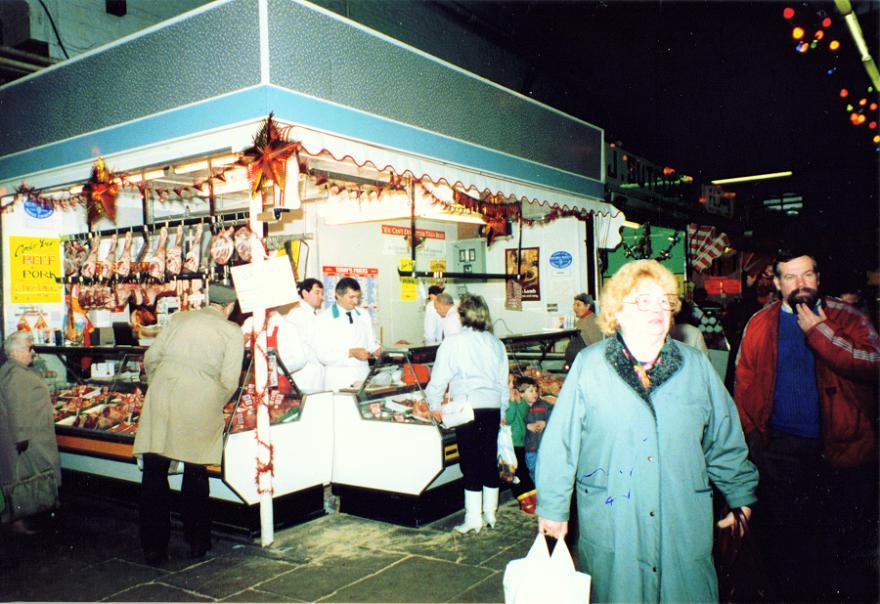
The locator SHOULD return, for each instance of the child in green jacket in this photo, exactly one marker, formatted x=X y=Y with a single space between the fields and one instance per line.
x=515 y=417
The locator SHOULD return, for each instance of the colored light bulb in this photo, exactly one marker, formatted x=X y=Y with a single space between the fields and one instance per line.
x=802 y=47
x=797 y=33
x=873 y=106
x=844 y=93
x=826 y=22
x=877 y=138
x=834 y=45
x=861 y=119
x=819 y=35
x=872 y=125
x=788 y=12
x=863 y=102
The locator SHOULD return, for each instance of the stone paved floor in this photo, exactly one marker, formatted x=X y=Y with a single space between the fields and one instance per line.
x=92 y=553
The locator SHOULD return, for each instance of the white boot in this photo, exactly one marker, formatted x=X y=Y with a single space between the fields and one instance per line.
x=473 y=500
x=490 y=505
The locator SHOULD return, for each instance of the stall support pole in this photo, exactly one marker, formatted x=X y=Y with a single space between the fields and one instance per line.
x=264 y=434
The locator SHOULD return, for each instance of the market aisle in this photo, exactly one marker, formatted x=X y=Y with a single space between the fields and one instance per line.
x=93 y=554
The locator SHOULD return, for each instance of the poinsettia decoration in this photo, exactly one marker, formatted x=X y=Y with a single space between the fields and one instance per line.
x=266 y=161
x=100 y=193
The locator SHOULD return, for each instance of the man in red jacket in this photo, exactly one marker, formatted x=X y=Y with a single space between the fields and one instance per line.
x=806 y=377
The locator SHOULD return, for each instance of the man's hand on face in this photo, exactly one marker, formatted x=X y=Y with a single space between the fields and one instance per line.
x=807 y=319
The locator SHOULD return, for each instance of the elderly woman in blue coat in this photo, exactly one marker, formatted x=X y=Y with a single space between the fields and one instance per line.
x=640 y=428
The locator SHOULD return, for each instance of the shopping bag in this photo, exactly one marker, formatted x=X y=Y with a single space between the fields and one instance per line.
x=741 y=576
x=506 y=455
x=540 y=578
x=28 y=496
x=456 y=413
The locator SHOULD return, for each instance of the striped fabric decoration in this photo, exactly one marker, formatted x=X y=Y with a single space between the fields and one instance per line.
x=704 y=245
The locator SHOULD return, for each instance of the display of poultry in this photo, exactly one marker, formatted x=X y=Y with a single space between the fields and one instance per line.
x=222 y=246
x=91 y=263
x=243 y=243
x=108 y=264
x=157 y=260
x=123 y=265
x=174 y=256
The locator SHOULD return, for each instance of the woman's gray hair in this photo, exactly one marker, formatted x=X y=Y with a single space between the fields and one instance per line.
x=16 y=341
x=474 y=313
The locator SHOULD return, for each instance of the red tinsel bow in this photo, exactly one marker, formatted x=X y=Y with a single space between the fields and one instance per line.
x=267 y=159
x=100 y=193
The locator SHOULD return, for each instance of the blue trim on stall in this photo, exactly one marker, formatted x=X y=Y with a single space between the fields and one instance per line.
x=293 y=107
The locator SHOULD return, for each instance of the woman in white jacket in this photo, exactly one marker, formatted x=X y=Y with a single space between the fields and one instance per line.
x=473 y=363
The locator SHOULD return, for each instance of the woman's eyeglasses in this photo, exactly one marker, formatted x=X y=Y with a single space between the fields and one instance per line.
x=646 y=302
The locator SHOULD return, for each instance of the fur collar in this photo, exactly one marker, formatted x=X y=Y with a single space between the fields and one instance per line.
x=668 y=362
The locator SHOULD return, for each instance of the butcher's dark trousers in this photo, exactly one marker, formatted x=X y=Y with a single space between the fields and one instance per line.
x=155 y=506
x=478 y=450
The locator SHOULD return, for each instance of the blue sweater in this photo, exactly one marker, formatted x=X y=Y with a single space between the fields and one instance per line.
x=796 y=398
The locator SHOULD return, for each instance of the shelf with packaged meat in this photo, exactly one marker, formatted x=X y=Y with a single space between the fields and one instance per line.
x=391 y=460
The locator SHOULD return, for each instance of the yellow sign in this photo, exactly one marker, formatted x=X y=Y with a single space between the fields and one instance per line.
x=406 y=265
x=438 y=266
x=34 y=266
x=408 y=289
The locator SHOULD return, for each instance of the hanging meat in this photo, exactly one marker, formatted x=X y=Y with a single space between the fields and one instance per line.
x=191 y=264
x=243 y=243
x=91 y=263
x=157 y=260
x=108 y=264
x=174 y=260
x=71 y=267
x=123 y=265
x=222 y=246
x=140 y=264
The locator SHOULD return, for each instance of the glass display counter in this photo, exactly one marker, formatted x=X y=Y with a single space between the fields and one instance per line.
x=97 y=396
x=391 y=460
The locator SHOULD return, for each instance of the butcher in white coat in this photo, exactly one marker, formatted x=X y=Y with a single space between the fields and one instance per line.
x=304 y=318
x=345 y=338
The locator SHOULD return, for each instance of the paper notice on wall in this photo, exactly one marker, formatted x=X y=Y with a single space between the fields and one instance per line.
x=34 y=266
x=429 y=243
x=409 y=289
x=264 y=284
x=367 y=278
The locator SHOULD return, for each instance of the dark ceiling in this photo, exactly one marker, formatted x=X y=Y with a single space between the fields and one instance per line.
x=713 y=89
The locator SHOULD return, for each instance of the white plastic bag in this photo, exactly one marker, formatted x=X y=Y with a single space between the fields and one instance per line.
x=506 y=455
x=540 y=578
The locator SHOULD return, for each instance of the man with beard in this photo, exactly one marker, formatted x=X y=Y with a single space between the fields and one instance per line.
x=806 y=376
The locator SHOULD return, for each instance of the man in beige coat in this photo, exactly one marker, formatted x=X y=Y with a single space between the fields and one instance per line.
x=193 y=368
x=27 y=429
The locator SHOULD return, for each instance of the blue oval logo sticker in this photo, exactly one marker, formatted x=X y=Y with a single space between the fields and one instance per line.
x=37 y=209
x=560 y=259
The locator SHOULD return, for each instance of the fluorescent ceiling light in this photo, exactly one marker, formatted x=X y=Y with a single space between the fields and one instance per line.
x=632 y=225
x=769 y=175
x=197 y=166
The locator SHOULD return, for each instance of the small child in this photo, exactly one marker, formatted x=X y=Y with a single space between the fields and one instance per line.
x=515 y=417
x=536 y=420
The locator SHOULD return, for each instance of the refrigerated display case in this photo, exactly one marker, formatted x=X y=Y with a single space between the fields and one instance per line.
x=98 y=392
x=391 y=460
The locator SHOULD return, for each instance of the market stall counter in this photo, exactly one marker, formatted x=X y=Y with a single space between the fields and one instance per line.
x=391 y=460
x=98 y=393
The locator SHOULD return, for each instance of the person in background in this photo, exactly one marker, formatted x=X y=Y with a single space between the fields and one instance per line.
x=346 y=340
x=450 y=321
x=304 y=318
x=283 y=343
x=27 y=427
x=515 y=417
x=474 y=365
x=433 y=328
x=806 y=389
x=585 y=322
x=535 y=420
x=685 y=329
x=641 y=426
x=193 y=368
